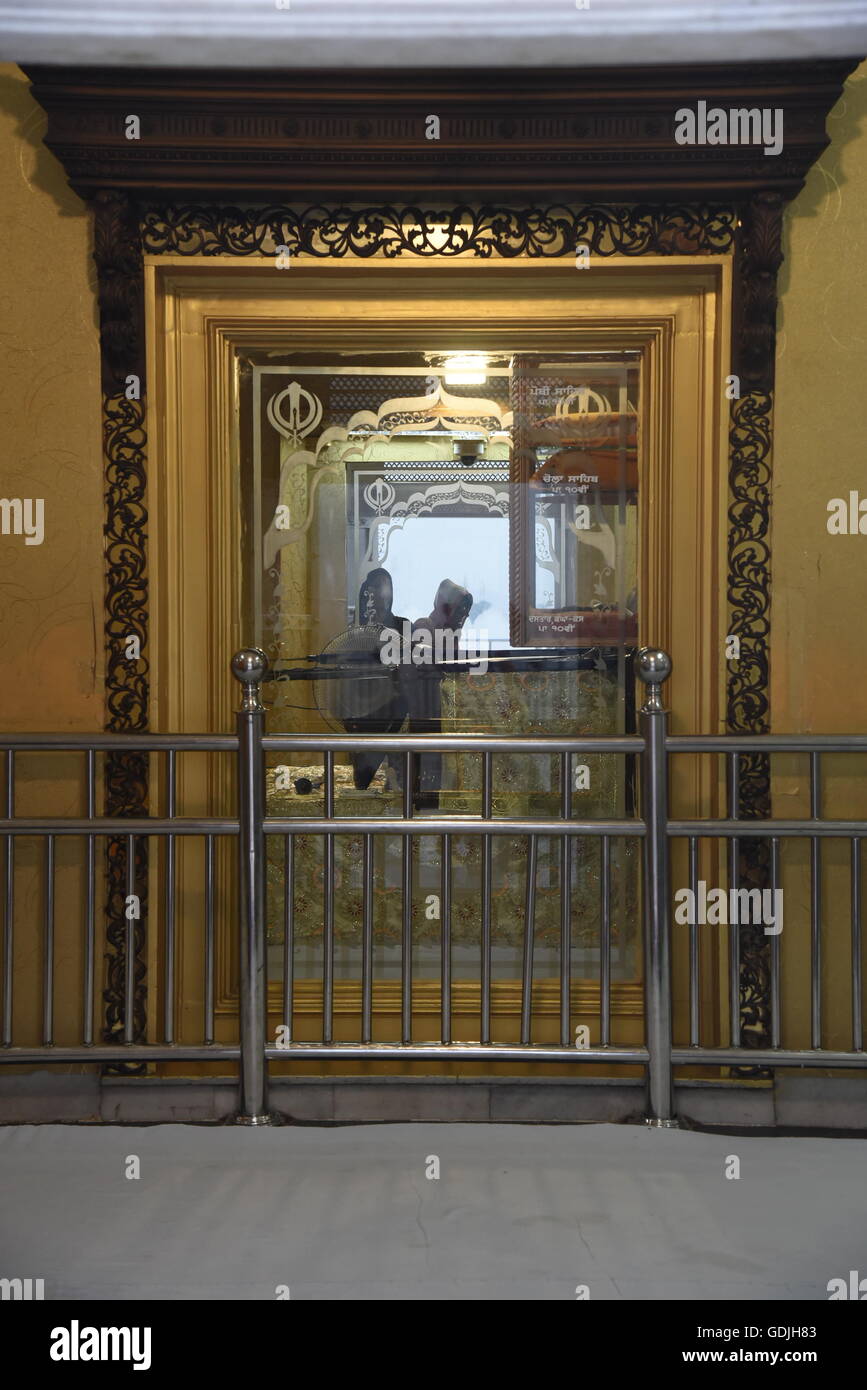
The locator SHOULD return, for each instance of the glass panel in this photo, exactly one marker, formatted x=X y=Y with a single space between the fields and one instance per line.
x=435 y=544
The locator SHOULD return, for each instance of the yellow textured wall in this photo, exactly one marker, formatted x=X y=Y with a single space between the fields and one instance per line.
x=51 y=645
x=818 y=657
x=51 y=596
x=818 y=660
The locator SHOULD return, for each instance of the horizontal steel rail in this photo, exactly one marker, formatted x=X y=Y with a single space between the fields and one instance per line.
x=447 y=743
x=121 y=743
x=766 y=743
x=467 y=1052
x=132 y=1052
x=766 y=1057
x=454 y=825
x=251 y=828
x=767 y=829
x=120 y=825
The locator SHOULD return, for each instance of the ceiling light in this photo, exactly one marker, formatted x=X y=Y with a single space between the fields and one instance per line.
x=466 y=369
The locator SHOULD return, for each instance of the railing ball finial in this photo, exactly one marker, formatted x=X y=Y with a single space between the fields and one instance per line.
x=654 y=667
x=249 y=666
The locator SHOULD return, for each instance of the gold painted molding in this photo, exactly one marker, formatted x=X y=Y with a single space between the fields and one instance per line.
x=627 y=1000
x=202 y=312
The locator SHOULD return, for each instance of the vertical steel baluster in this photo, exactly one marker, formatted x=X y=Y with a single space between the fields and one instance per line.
x=734 y=762
x=129 y=945
x=209 y=938
x=565 y=906
x=815 y=905
x=857 y=986
x=249 y=668
x=487 y=866
x=406 y=908
x=446 y=938
x=8 y=934
x=367 y=942
x=90 y=911
x=169 y=1004
x=694 y=1015
x=529 y=932
x=654 y=667
x=48 y=962
x=775 y=947
x=328 y=937
x=605 y=953
x=288 y=935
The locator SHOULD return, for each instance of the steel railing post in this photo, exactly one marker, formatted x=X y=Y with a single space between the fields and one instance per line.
x=654 y=667
x=249 y=667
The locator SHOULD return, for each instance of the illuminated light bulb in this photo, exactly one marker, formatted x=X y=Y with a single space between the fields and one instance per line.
x=466 y=369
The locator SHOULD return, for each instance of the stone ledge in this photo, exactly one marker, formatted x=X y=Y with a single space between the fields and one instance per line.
x=796 y=1101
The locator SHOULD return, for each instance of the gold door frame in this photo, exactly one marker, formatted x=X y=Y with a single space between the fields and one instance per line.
x=201 y=310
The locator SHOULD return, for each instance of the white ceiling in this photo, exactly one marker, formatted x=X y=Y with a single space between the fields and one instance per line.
x=427 y=33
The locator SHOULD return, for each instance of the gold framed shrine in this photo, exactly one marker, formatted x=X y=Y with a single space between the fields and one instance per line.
x=202 y=314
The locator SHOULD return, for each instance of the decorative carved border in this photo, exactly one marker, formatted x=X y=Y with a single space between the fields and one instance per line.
x=748 y=703
x=125 y=231
x=757 y=264
x=488 y=230
x=118 y=257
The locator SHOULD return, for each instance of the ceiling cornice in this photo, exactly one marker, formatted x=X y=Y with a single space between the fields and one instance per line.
x=588 y=134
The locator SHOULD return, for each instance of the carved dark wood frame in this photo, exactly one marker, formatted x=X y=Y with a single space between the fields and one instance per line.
x=553 y=160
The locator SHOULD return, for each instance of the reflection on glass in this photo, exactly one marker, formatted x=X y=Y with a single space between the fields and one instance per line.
x=441 y=545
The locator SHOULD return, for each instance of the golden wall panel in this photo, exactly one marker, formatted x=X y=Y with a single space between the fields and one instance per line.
x=51 y=643
x=819 y=594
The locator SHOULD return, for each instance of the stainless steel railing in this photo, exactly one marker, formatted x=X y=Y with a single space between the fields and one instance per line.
x=249 y=831
x=816 y=829
x=250 y=669
x=125 y=834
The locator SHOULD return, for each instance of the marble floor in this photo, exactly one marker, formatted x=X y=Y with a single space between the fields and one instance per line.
x=425 y=1211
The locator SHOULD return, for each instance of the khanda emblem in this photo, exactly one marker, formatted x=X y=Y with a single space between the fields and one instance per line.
x=379 y=496
x=583 y=396
x=294 y=412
